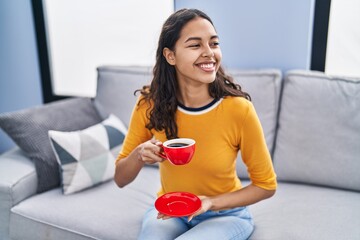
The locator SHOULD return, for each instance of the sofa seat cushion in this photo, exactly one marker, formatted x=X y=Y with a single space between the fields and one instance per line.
x=307 y=212
x=102 y=212
x=318 y=140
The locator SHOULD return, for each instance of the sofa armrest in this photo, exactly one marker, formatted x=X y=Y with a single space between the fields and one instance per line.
x=18 y=181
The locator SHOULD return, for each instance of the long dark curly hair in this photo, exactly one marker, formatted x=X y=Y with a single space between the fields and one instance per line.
x=161 y=93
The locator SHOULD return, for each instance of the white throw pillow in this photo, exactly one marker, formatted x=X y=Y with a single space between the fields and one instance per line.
x=87 y=157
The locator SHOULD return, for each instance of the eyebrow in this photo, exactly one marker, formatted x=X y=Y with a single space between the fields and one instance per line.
x=199 y=38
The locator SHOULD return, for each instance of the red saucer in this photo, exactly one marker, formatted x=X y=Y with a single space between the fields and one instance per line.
x=178 y=204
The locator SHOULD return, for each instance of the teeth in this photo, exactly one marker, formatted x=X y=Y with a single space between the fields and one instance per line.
x=208 y=65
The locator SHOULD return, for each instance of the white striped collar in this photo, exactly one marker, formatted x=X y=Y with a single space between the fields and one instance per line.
x=201 y=110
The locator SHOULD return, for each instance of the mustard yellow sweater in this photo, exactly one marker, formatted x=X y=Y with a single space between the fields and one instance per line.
x=220 y=131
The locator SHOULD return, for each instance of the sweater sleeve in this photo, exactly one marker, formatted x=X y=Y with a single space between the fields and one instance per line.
x=137 y=132
x=255 y=153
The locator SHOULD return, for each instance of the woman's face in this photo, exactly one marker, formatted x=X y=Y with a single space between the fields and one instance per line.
x=197 y=54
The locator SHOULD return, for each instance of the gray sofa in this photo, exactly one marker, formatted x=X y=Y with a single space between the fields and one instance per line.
x=312 y=127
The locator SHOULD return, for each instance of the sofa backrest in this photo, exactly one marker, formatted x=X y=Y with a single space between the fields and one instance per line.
x=264 y=86
x=318 y=139
x=116 y=85
x=115 y=89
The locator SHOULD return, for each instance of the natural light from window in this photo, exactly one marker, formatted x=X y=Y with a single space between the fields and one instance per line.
x=84 y=34
x=343 y=46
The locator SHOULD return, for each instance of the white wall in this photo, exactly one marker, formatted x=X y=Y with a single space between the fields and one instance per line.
x=343 y=47
x=83 y=34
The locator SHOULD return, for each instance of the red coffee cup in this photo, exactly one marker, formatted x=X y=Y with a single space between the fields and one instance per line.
x=179 y=151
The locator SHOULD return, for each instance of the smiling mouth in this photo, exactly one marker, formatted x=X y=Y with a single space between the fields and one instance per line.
x=207 y=67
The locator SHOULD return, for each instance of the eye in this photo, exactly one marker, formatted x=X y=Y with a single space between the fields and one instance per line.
x=215 y=44
x=194 y=46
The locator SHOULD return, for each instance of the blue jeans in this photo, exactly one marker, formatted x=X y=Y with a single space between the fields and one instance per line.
x=232 y=224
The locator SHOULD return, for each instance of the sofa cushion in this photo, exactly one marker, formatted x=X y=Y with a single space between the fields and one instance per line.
x=299 y=211
x=115 y=89
x=264 y=87
x=87 y=157
x=116 y=86
x=29 y=129
x=101 y=212
x=318 y=139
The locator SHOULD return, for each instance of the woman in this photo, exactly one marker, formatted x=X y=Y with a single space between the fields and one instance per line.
x=190 y=96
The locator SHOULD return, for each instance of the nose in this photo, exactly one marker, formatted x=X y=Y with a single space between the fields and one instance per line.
x=208 y=52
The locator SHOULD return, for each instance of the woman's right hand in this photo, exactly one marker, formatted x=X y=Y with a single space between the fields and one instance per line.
x=128 y=168
x=150 y=152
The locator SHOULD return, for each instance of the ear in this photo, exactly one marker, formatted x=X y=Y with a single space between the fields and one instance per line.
x=169 y=56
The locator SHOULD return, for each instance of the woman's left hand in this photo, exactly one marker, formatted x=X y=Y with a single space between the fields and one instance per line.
x=206 y=204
